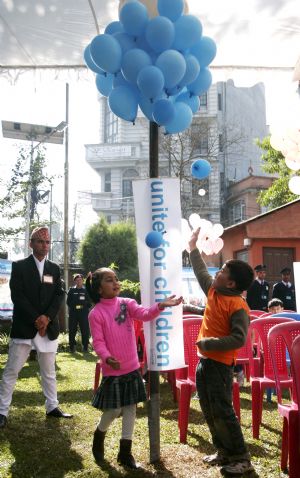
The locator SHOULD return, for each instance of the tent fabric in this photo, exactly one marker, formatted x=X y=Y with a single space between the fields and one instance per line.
x=54 y=33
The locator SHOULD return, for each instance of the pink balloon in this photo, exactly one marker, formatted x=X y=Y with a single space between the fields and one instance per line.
x=218 y=245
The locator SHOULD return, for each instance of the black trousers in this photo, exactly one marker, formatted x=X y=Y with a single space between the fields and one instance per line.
x=83 y=323
x=214 y=387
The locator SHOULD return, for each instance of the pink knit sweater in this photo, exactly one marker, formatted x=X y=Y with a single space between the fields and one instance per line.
x=111 y=339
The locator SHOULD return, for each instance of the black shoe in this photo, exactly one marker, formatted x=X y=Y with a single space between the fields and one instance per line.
x=58 y=413
x=125 y=456
x=72 y=350
x=3 y=421
x=98 y=445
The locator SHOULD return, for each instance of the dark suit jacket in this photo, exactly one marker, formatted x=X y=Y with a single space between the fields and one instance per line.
x=258 y=295
x=286 y=294
x=32 y=298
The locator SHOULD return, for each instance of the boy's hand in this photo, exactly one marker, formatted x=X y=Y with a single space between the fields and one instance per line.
x=170 y=302
x=193 y=240
x=113 y=363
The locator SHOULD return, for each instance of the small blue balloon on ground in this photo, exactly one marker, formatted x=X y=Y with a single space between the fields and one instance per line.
x=154 y=239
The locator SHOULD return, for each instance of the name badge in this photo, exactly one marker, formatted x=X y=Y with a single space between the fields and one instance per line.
x=264 y=297
x=288 y=297
x=48 y=279
x=81 y=297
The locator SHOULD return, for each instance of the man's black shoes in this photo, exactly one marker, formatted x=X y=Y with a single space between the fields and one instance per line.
x=3 y=421
x=58 y=413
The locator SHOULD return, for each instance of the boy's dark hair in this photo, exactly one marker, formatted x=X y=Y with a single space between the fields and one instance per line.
x=275 y=302
x=241 y=273
x=93 y=283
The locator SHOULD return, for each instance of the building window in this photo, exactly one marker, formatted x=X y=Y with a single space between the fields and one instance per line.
x=220 y=102
x=199 y=138
x=110 y=126
x=238 y=210
x=203 y=100
x=108 y=219
x=200 y=184
x=107 y=182
x=128 y=176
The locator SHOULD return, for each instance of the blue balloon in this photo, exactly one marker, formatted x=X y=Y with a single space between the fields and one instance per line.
x=126 y=41
x=104 y=84
x=150 y=81
x=163 y=111
x=191 y=100
x=154 y=239
x=192 y=70
x=200 y=168
x=114 y=27
x=90 y=62
x=205 y=51
x=123 y=103
x=202 y=82
x=146 y=106
x=182 y=119
x=133 y=61
x=106 y=53
x=188 y=31
x=160 y=34
x=119 y=80
x=171 y=9
x=173 y=66
x=172 y=92
x=134 y=18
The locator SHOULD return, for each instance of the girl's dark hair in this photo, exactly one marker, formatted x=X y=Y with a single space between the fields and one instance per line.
x=241 y=273
x=275 y=302
x=93 y=283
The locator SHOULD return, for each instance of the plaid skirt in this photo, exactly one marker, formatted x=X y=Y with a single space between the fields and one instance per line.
x=117 y=392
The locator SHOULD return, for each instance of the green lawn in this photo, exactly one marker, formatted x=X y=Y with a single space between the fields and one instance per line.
x=33 y=446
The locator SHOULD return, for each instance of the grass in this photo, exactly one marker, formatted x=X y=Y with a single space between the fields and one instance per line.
x=35 y=447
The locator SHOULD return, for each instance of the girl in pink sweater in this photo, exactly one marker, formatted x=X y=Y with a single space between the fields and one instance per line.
x=112 y=329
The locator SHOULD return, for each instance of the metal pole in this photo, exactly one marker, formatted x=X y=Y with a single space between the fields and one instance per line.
x=66 y=198
x=154 y=401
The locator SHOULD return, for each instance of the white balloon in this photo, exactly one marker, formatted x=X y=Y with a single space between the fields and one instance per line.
x=218 y=245
x=206 y=227
x=292 y=160
x=293 y=134
x=276 y=141
x=217 y=231
x=194 y=221
x=207 y=247
x=294 y=185
x=201 y=192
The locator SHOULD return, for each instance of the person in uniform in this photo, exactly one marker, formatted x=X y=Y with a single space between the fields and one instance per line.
x=37 y=294
x=79 y=306
x=285 y=290
x=258 y=292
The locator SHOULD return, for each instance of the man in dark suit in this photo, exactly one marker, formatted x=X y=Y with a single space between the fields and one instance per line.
x=79 y=306
x=285 y=290
x=36 y=293
x=258 y=292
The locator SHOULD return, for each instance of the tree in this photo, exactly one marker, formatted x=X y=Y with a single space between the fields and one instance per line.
x=274 y=163
x=14 y=204
x=106 y=244
x=203 y=140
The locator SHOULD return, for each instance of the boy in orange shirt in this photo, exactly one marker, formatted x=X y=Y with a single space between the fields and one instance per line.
x=223 y=331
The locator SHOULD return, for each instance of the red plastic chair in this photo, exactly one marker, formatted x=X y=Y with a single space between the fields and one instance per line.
x=186 y=386
x=181 y=373
x=257 y=313
x=259 y=383
x=287 y=333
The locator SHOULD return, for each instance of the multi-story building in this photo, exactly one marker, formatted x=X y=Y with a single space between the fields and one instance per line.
x=223 y=132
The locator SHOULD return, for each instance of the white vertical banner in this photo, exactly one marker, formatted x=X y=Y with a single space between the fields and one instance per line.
x=157 y=208
x=297 y=284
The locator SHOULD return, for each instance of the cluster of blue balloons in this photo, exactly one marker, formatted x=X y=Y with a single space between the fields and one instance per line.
x=158 y=64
